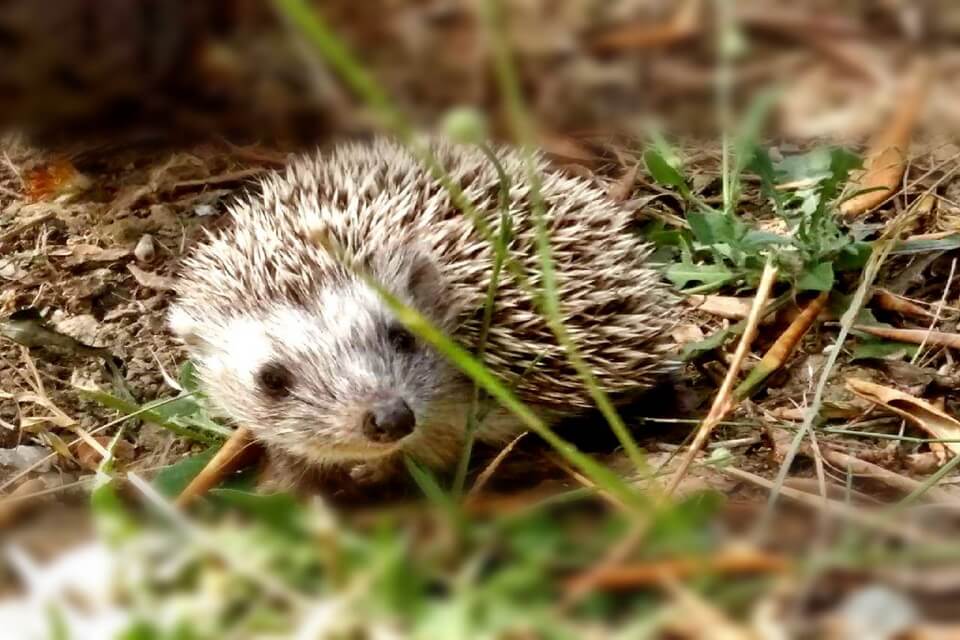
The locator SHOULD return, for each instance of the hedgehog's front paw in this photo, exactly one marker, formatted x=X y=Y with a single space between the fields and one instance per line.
x=281 y=473
x=376 y=472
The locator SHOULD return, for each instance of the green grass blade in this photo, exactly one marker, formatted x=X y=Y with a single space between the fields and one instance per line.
x=499 y=256
x=548 y=299
x=415 y=322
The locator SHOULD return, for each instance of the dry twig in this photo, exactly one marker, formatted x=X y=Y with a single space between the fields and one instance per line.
x=899 y=529
x=646 y=574
x=487 y=473
x=778 y=354
x=236 y=453
x=724 y=400
x=890 y=301
x=913 y=336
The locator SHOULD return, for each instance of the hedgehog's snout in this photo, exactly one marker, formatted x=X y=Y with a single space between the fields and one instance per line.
x=388 y=421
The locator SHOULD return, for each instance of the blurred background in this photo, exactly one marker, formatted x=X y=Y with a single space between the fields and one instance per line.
x=604 y=67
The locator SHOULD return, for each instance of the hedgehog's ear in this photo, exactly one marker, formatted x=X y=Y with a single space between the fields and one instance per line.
x=424 y=281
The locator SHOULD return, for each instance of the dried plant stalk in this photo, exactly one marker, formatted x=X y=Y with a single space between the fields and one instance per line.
x=727 y=562
x=913 y=336
x=892 y=302
x=724 y=401
x=778 y=354
x=236 y=453
x=886 y=158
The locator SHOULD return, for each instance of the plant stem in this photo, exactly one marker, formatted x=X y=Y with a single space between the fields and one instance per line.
x=724 y=80
x=548 y=301
x=499 y=255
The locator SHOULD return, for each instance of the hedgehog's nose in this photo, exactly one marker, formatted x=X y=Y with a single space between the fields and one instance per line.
x=388 y=421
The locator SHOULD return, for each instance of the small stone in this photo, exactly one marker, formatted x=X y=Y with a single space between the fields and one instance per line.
x=12 y=269
x=204 y=210
x=146 y=249
x=84 y=328
x=23 y=456
x=876 y=612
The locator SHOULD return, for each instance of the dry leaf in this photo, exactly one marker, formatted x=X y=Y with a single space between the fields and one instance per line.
x=684 y=333
x=887 y=157
x=921 y=413
x=913 y=336
x=81 y=254
x=151 y=280
x=724 y=306
x=829 y=411
x=685 y=24
x=487 y=473
x=55 y=180
x=922 y=463
x=46 y=214
x=620 y=190
x=89 y=457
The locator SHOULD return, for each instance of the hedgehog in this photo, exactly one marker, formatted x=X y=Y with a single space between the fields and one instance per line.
x=292 y=342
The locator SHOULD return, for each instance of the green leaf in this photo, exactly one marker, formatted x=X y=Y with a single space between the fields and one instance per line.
x=883 y=350
x=167 y=409
x=711 y=227
x=663 y=172
x=427 y=482
x=168 y=413
x=817 y=278
x=714 y=341
x=188 y=378
x=754 y=239
x=663 y=255
x=664 y=237
x=58 y=623
x=170 y=481
x=277 y=510
x=114 y=522
x=812 y=166
x=839 y=304
x=761 y=165
x=745 y=143
x=842 y=162
x=432 y=490
x=712 y=274
x=853 y=256
x=140 y=630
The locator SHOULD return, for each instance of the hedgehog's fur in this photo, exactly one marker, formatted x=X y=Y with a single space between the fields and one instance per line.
x=264 y=291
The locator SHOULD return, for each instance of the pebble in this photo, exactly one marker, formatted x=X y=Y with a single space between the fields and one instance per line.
x=146 y=249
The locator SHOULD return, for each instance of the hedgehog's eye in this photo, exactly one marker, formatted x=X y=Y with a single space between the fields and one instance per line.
x=401 y=339
x=275 y=380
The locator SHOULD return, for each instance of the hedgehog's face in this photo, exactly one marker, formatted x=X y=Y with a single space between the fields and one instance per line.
x=337 y=378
